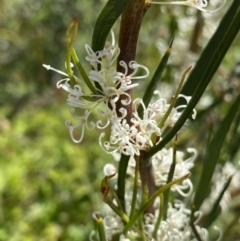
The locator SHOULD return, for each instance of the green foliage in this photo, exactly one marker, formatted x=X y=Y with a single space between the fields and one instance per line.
x=205 y=68
x=110 y=13
x=45 y=179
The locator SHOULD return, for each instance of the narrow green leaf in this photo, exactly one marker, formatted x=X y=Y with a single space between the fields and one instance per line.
x=174 y=100
x=105 y=21
x=213 y=214
x=155 y=80
x=70 y=37
x=160 y=216
x=82 y=71
x=205 y=68
x=234 y=138
x=122 y=170
x=215 y=50
x=213 y=154
x=135 y=187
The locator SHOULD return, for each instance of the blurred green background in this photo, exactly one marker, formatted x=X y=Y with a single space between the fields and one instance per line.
x=49 y=186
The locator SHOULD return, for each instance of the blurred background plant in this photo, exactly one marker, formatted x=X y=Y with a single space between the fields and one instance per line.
x=49 y=186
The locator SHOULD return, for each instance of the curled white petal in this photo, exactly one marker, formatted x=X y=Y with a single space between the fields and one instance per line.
x=83 y=122
x=185 y=185
x=135 y=66
x=71 y=129
x=220 y=233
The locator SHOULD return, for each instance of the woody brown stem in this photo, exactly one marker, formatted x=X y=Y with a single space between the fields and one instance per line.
x=128 y=36
x=147 y=179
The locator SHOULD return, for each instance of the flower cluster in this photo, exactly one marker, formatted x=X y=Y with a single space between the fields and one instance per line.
x=130 y=139
x=176 y=226
x=111 y=87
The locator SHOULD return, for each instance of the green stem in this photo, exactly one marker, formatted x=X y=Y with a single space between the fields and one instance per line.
x=197 y=236
x=160 y=216
x=213 y=214
x=116 y=198
x=118 y=211
x=101 y=229
x=135 y=187
x=141 y=229
x=122 y=172
x=68 y=66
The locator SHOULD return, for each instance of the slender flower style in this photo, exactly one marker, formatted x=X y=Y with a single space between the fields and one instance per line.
x=198 y=4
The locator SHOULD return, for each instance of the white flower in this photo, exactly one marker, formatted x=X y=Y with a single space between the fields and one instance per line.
x=175 y=227
x=109 y=86
x=131 y=139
